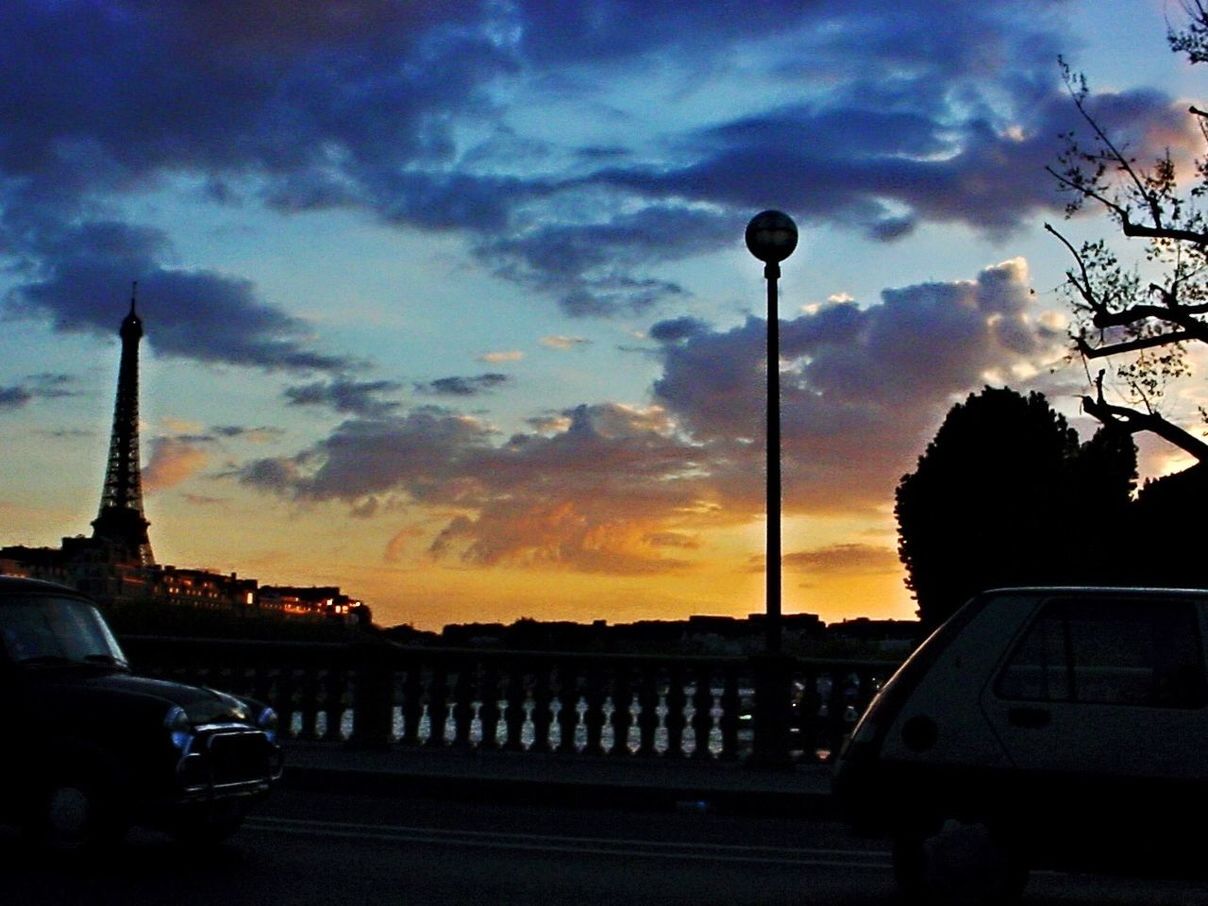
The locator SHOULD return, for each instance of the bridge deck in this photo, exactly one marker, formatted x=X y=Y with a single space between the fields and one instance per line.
x=526 y=777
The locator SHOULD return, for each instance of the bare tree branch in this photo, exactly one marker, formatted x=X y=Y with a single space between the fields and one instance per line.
x=1098 y=352
x=1137 y=230
x=1133 y=421
x=1084 y=285
x=1122 y=162
x=1151 y=205
x=1195 y=328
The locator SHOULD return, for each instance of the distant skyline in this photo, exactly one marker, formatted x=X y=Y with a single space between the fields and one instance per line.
x=448 y=305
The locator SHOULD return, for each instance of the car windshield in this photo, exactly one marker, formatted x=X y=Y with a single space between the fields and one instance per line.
x=48 y=629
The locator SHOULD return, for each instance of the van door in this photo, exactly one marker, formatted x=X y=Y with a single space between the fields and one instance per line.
x=1101 y=706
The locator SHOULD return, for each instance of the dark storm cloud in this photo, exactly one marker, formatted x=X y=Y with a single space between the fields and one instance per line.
x=97 y=100
x=590 y=268
x=861 y=167
x=910 y=112
x=605 y=32
x=464 y=386
x=344 y=395
x=934 y=113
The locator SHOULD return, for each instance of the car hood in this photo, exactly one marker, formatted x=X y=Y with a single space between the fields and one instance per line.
x=201 y=705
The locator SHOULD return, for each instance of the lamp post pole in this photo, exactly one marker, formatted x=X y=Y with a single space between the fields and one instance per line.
x=771 y=272
x=771 y=237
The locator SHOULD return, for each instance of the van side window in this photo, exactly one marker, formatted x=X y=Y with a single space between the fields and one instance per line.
x=1109 y=651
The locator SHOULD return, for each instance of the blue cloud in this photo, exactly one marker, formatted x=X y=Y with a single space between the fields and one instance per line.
x=902 y=113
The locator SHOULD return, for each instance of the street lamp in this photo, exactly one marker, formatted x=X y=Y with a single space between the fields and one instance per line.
x=772 y=237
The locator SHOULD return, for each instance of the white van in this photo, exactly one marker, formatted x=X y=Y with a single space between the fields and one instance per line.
x=1055 y=727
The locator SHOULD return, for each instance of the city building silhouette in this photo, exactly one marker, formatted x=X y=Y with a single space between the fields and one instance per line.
x=115 y=566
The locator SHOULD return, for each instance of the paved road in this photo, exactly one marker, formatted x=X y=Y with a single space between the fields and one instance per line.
x=312 y=848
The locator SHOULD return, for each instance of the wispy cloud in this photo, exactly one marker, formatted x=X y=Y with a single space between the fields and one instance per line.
x=501 y=357
x=564 y=342
x=844 y=559
x=173 y=461
x=14 y=397
x=37 y=386
x=464 y=386
x=256 y=435
x=363 y=398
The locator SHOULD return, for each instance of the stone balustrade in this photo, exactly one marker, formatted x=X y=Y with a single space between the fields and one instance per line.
x=573 y=704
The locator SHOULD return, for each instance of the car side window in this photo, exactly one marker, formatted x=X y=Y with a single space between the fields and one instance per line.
x=1109 y=651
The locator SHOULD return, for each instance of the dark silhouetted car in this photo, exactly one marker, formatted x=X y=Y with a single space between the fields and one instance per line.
x=1039 y=727
x=91 y=749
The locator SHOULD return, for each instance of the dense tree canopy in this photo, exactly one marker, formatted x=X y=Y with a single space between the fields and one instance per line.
x=1167 y=547
x=1005 y=495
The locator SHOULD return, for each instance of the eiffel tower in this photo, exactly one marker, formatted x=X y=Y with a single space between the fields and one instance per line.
x=120 y=521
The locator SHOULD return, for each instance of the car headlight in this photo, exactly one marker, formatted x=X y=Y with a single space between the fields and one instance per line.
x=176 y=722
x=268 y=721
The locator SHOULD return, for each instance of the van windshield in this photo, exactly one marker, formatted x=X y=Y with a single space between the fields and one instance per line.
x=45 y=629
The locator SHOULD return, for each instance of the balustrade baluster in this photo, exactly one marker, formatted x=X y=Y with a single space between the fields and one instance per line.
x=831 y=690
x=854 y=683
x=285 y=701
x=238 y=681
x=568 y=715
x=309 y=702
x=264 y=684
x=517 y=693
x=807 y=715
x=622 y=716
x=334 y=690
x=729 y=714
x=413 y=703
x=488 y=712
x=676 y=700
x=373 y=699
x=463 y=703
x=648 y=718
x=542 y=713
x=868 y=688
x=438 y=705
x=594 y=695
x=702 y=717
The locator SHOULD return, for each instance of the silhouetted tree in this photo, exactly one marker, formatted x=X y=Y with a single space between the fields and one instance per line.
x=1148 y=322
x=1005 y=495
x=1168 y=552
x=1102 y=533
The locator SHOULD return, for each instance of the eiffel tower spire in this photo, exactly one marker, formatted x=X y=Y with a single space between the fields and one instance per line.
x=120 y=520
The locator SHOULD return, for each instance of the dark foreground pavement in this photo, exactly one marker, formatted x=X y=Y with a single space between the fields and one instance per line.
x=539 y=779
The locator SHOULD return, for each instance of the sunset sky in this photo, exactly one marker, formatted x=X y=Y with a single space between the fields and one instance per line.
x=448 y=303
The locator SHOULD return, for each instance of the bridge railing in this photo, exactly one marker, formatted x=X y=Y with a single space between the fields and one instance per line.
x=574 y=704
